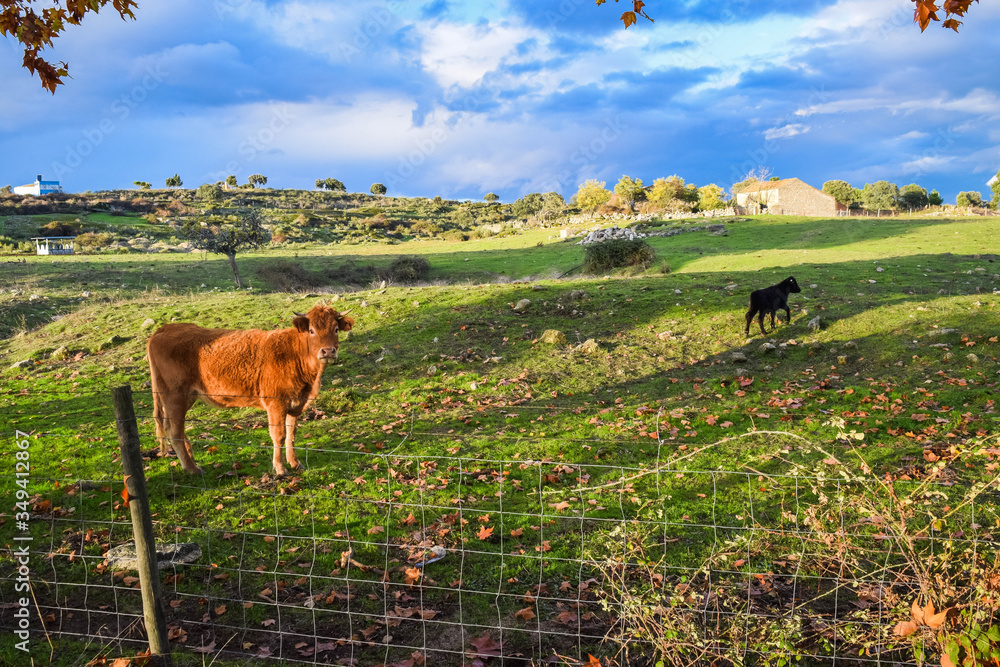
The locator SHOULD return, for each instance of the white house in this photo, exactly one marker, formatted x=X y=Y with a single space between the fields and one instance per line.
x=39 y=187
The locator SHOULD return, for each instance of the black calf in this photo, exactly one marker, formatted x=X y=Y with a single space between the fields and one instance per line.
x=770 y=300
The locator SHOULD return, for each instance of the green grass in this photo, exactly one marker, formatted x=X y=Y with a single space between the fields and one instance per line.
x=654 y=428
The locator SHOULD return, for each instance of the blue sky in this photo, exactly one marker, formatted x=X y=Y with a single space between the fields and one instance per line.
x=462 y=98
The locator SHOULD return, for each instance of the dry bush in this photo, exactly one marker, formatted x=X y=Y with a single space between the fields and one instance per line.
x=617 y=253
x=284 y=275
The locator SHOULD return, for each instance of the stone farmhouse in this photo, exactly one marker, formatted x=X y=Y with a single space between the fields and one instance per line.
x=788 y=196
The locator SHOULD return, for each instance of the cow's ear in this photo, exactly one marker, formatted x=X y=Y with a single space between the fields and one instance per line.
x=301 y=323
x=345 y=323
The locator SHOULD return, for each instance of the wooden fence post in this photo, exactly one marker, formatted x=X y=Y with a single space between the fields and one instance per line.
x=142 y=524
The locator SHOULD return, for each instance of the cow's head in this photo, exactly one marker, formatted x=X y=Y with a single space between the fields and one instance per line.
x=792 y=285
x=319 y=327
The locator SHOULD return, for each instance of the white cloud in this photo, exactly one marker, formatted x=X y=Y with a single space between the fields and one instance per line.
x=462 y=54
x=785 y=131
x=913 y=134
x=927 y=164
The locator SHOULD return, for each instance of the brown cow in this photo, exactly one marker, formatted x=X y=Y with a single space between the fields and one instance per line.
x=278 y=371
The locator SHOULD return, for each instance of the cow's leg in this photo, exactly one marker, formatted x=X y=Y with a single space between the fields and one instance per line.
x=175 y=408
x=788 y=315
x=293 y=462
x=276 y=414
x=773 y=325
x=760 y=321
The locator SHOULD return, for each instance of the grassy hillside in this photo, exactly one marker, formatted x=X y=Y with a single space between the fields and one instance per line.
x=674 y=442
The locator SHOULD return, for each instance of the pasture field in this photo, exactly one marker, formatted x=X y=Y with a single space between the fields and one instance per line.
x=674 y=485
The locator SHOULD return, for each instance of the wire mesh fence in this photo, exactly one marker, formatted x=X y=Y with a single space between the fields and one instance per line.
x=428 y=540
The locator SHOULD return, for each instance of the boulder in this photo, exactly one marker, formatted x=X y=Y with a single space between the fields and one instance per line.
x=588 y=346
x=522 y=305
x=60 y=353
x=432 y=370
x=26 y=363
x=148 y=322
x=739 y=357
x=815 y=324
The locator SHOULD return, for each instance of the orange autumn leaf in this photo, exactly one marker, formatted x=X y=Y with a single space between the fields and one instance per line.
x=592 y=662
x=517 y=532
x=904 y=628
x=526 y=614
x=485 y=532
x=412 y=575
x=125 y=496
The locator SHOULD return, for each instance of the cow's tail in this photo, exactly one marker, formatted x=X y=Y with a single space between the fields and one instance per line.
x=156 y=385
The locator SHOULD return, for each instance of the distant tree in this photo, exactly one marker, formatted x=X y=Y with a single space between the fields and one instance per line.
x=247 y=232
x=774 y=178
x=378 y=189
x=934 y=198
x=971 y=198
x=331 y=184
x=711 y=197
x=995 y=191
x=6 y=190
x=672 y=193
x=491 y=197
x=231 y=181
x=174 y=181
x=841 y=191
x=880 y=196
x=913 y=196
x=629 y=191
x=256 y=179
x=209 y=192
x=528 y=205
x=142 y=185
x=591 y=194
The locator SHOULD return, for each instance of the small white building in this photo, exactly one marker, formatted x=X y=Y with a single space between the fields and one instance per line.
x=39 y=187
x=53 y=245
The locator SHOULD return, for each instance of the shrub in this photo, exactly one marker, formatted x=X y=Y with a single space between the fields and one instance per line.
x=56 y=228
x=283 y=275
x=425 y=227
x=455 y=235
x=91 y=242
x=408 y=269
x=378 y=221
x=351 y=273
x=617 y=253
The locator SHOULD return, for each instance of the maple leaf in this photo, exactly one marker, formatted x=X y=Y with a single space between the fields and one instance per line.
x=953 y=24
x=925 y=12
x=485 y=646
x=592 y=662
x=485 y=532
x=559 y=507
x=412 y=575
x=904 y=628
x=628 y=18
x=125 y=495
x=205 y=649
x=410 y=520
x=526 y=614
x=517 y=532
x=375 y=530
